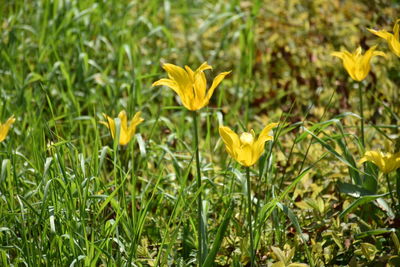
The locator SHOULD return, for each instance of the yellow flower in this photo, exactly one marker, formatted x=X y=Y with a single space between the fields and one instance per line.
x=392 y=39
x=191 y=86
x=357 y=65
x=126 y=132
x=245 y=150
x=5 y=127
x=386 y=162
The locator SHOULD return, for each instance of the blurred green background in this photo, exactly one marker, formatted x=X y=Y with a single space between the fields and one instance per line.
x=68 y=196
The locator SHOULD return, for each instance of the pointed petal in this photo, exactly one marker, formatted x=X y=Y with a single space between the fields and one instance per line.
x=338 y=54
x=383 y=34
x=124 y=120
x=4 y=128
x=110 y=124
x=215 y=83
x=200 y=86
x=204 y=67
x=374 y=157
x=263 y=137
x=179 y=75
x=190 y=72
x=231 y=140
x=136 y=120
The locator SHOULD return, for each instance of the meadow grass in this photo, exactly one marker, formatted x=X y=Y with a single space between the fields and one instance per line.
x=70 y=195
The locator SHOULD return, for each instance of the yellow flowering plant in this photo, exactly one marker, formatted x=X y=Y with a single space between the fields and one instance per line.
x=191 y=86
x=386 y=162
x=126 y=131
x=356 y=64
x=391 y=38
x=5 y=127
x=246 y=149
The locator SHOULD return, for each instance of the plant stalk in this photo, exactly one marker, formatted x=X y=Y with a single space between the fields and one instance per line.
x=361 y=114
x=390 y=190
x=202 y=246
x=249 y=217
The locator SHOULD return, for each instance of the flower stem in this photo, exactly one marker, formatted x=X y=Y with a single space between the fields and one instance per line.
x=249 y=217
x=390 y=189
x=361 y=114
x=202 y=246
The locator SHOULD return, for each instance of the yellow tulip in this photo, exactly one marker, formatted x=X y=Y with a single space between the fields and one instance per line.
x=191 y=86
x=126 y=132
x=356 y=64
x=386 y=162
x=246 y=149
x=4 y=128
x=392 y=39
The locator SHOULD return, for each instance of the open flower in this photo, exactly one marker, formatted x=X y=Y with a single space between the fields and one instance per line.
x=191 y=86
x=356 y=64
x=246 y=149
x=126 y=132
x=392 y=39
x=4 y=128
x=386 y=162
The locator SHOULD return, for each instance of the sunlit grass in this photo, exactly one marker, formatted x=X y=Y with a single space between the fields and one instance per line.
x=71 y=194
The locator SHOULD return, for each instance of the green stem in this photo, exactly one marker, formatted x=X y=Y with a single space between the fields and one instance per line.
x=249 y=217
x=361 y=114
x=390 y=190
x=201 y=226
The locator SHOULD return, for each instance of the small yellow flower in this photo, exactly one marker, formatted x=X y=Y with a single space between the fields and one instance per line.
x=386 y=162
x=191 y=86
x=356 y=64
x=126 y=132
x=245 y=150
x=4 y=128
x=392 y=39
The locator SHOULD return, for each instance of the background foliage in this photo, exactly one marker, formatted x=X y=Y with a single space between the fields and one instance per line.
x=68 y=196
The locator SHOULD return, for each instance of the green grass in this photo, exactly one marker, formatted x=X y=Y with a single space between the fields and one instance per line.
x=70 y=196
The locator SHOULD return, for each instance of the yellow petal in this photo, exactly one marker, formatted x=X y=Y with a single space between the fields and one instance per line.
x=124 y=120
x=215 y=83
x=4 y=128
x=245 y=156
x=178 y=74
x=136 y=120
x=383 y=34
x=358 y=51
x=374 y=157
x=204 y=67
x=200 y=85
x=264 y=137
x=169 y=83
x=110 y=124
x=231 y=140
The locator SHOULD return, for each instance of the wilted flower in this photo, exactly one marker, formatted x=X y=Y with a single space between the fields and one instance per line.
x=392 y=39
x=126 y=132
x=386 y=162
x=246 y=149
x=191 y=86
x=4 y=128
x=356 y=64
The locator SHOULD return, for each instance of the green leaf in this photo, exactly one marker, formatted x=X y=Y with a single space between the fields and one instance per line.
x=360 y=201
x=219 y=237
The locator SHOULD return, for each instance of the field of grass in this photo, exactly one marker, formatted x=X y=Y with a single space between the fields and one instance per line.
x=71 y=195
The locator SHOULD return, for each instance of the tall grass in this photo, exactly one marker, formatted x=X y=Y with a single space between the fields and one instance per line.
x=70 y=195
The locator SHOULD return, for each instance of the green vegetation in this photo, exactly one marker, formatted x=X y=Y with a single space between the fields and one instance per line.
x=70 y=195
